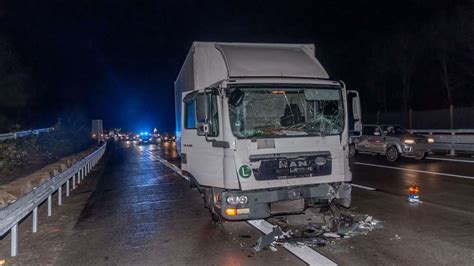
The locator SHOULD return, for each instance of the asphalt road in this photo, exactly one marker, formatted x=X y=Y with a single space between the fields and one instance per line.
x=142 y=212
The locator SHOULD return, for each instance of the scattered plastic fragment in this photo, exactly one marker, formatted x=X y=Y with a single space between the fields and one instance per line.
x=266 y=240
x=333 y=235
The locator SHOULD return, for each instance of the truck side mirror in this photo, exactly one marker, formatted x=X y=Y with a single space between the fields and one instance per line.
x=202 y=129
x=358 y=126
x=202 y=110
x=356 y=107
x=356 y=111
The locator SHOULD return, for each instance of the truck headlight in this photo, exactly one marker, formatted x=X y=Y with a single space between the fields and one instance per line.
x=409 y=141
x=430 y=140
x=320 y=160
x=237 y=199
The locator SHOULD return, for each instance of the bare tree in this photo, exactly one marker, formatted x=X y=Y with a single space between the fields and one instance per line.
x=406 y=51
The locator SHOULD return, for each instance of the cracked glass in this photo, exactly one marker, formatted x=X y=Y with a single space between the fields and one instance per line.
x=288 y=112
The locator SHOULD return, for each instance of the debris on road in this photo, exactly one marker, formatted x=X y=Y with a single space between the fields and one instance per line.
x=318 y=231
x=267 y=240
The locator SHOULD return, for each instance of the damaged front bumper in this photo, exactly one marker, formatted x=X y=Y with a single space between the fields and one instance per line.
x=262 y=204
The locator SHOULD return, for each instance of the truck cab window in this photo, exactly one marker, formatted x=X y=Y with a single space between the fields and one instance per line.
x=190 y=115
x=213 y=115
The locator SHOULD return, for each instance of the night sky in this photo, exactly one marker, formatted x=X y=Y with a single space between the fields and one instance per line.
x=117 y=60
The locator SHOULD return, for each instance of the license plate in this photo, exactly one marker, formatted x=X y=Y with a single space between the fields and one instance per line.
x=289 y=206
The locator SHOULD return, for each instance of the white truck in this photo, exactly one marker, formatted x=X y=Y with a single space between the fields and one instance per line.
x=262 y=130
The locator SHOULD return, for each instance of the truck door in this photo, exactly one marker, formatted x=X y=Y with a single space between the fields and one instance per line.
x=204 y=160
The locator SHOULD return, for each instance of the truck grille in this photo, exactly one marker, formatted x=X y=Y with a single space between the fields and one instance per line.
x=290 y=165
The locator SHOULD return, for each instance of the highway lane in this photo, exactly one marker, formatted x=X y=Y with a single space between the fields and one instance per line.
x=142 y=212
x=446 y=184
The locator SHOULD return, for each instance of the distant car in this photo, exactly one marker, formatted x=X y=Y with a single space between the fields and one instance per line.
x=145 y=137
x=166 y=137
x=392 y=141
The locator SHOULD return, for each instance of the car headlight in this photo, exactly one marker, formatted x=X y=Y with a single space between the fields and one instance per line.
x=430 y=140
x=237 y=199
x=409 y=141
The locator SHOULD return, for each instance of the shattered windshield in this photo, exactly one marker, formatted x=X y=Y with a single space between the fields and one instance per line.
x=283 y=112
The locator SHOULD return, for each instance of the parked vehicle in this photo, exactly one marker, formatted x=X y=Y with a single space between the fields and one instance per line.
x=262 y=130
x=393 y=141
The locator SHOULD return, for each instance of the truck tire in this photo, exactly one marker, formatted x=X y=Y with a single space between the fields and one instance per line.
x=352 y=151
x=392 y=154
x=211 y=206
x=215 y=216
x=420 y=155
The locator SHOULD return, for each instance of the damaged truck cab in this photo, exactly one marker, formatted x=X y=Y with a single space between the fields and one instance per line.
x=262 y=130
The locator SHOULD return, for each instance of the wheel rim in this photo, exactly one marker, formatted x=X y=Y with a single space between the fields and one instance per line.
x=391 y=153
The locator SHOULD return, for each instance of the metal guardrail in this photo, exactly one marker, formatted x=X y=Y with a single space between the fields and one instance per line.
x=19 y=134
x=13 y=214
x=449 y=139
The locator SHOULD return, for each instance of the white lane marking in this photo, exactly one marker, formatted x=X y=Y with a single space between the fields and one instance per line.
x=364 y=187
x=450 y=159
x=304 y=253
x=413 y=170
x=171 y=166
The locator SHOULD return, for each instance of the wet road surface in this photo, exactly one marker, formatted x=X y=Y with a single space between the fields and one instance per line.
x=437 y=231
x=144 y=213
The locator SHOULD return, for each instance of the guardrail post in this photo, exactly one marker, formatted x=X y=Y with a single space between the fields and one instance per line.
x=452 y=151
x=79 y=176
x=14 y=235
x=67 y=188
x=49 y=206
x=35 y=220
x=74 y=181
x=60 y=195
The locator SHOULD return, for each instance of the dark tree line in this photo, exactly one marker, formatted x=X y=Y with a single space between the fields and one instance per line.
x=14 y=87
x=426 y=65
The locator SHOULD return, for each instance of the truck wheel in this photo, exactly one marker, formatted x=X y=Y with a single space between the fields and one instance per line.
x=352 y=151
x=216 y=217
x=420 y=155
x=392 y=154
x=211 y=205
